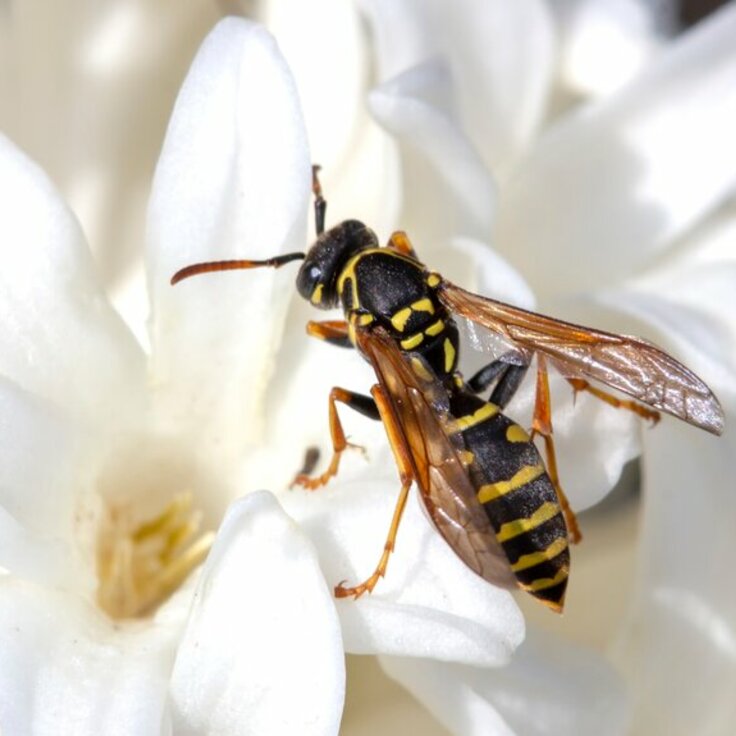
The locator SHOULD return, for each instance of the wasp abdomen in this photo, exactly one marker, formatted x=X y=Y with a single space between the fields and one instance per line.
x=517 y=495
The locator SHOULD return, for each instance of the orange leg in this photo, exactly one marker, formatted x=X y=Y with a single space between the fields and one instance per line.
x=339 y=444
x=399 y=241
x=406 y=474
x=333 y=331
x=542 y=425
x=580 y=384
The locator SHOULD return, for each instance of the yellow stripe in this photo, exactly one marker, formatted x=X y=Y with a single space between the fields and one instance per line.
x=535 y=558
x=412 y=342
x=316 y=297
x=543 y=583
x=365 y=319
x=516 y=434
x=519 y=526
x=423 y=305
x=495 y=490
x=421 y=369
x=470 y=420
x=435 y=328
x=449 y=355
x=400 y=319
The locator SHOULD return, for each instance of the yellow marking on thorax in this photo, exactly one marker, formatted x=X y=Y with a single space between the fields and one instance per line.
x=449 y=355
x=400 y=319
x=470 y=420
x=535 y=558
x=351 y=332
x=365 y=319
x=466 y=457
x=411 y=342
x=517 y=527
x=516 y=434
x=316 y=297
x=421 y=369
x=435 y=328
x=543 y=583
x=495 y=490
x=433 y=279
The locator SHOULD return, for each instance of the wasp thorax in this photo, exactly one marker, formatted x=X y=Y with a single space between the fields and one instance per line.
x=317 y=277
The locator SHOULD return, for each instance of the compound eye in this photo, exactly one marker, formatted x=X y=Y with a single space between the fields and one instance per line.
x=308 y=282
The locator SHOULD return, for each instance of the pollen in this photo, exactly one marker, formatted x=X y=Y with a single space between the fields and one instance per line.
x=140 y=565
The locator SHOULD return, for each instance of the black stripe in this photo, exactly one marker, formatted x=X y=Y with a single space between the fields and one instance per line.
x=553 y=594
x=520 y=503
x=547 y=569
x=536 y=539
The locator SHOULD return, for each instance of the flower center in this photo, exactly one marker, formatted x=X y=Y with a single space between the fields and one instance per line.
x=140 y=564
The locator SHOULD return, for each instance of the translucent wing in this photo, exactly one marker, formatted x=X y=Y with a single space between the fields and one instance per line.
x=629 y=364
x=446 y=490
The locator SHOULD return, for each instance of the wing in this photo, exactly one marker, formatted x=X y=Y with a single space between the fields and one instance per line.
x=446 y=489
x=629 y=364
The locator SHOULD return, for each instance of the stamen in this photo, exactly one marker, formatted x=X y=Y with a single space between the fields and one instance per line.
x=140 y=566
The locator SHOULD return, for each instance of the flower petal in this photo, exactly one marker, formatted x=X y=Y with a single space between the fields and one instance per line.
x=67 y=669
x=610 y=186
x=500 y=56
x=232 y=181
x=60 y=337
x=550 y=687
x=447 y=189
x=682 y=626
x=261 y=653
x=429 y=604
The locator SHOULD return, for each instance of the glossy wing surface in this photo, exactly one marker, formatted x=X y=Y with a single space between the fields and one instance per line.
x=446 y=490
x=628 y=364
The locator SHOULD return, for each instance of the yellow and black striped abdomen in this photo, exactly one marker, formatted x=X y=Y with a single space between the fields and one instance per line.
x=518 y=496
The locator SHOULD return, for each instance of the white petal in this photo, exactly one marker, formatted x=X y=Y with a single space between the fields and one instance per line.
x=549 y=687
x=429 y=604
x=447 y=190
x=67 y=669
x=60 y=338
x=233 y=180
x=500 y=56
x=681 y=631
x=261 y=653
x=605 y=43
x=610 y=186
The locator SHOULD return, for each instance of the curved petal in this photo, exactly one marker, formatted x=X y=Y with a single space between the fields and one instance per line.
x=610 y=186
x=429 y=604
x=447 y=190
x=60 y=337
x=232 y=181
x=682 y=626
x=500 y=56
x=550 y=687
x=67 y=669
x=261 y=653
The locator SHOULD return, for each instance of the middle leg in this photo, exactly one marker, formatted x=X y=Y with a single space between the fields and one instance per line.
x=363 y=404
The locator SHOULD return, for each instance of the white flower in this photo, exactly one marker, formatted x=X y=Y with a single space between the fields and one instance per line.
x=615 y=210
x=612 y=210
x=112 y=464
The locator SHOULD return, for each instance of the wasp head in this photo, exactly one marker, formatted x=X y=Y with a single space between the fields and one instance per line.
x=318 y=275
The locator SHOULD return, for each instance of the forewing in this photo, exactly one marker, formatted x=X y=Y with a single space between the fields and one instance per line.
x=628 y=364
x=445 y=488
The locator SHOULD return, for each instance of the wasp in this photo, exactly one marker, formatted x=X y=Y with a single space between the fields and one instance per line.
x=482 y=479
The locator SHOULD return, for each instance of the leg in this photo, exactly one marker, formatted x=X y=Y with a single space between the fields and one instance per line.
x=579 y=384
x=402 y=456
x=400 y=242
x=508 y=377
x=366 y=406
x=334 y=332
x=320 y=206
x=542 y=424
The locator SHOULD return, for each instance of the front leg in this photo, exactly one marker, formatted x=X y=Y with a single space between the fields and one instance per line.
x=363 y=404
x=332 y=331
